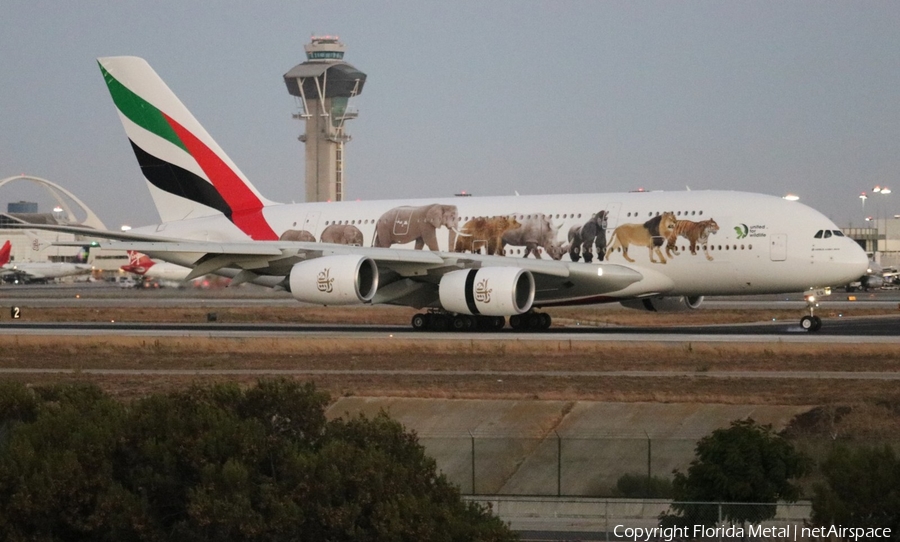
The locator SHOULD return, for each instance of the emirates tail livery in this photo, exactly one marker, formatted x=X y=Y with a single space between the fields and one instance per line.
x=467 y=262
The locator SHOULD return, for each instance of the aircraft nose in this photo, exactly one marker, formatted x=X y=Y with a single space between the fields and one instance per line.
x=856 y=262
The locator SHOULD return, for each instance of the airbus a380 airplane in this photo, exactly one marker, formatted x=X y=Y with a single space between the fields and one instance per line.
x=470 y=262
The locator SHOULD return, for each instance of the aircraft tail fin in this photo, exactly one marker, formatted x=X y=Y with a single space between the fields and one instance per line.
x=138 y=263
x=5 y=251
x=84 y=255
x=187 y=172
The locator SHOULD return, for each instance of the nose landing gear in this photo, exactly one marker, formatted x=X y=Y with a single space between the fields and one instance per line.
x=811 y=322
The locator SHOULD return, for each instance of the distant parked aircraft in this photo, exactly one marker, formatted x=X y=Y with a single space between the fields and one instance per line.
x=28 y=272
x=141 y=264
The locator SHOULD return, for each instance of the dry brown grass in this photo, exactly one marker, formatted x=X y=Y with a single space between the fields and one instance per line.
x=536 y=359
x=873 y=403
x=472 y=353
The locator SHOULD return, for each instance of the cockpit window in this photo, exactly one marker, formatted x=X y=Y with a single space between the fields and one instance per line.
x=818 y=234
x=837 y=233
x=827 y=234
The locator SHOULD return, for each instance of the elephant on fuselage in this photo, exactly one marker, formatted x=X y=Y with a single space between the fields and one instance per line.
x=298 y=235
x=405 y=224
x=342 y=234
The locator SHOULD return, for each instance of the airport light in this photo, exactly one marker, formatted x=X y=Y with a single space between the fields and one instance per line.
x=879 y=213
x=125 y=227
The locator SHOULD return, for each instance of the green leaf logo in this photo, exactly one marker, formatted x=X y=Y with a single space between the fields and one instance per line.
x=741 y=231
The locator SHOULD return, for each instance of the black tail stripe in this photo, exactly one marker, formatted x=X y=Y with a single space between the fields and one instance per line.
x=179 y=181
x=470 y=291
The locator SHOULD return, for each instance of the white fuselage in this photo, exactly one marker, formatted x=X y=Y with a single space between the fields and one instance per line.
x=167 y=271
x=763 y=244
x=40 y=271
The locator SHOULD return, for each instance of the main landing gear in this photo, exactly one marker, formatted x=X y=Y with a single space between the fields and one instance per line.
x=442 y=321
x=530 y=321
x=811 y=322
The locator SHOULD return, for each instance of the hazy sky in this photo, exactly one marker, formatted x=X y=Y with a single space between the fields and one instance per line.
x=490 y=97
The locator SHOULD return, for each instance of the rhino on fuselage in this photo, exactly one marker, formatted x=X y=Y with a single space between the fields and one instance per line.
x=536 y=232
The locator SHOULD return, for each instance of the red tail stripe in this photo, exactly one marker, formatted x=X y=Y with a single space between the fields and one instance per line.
x=5 y=252
x=246 y=207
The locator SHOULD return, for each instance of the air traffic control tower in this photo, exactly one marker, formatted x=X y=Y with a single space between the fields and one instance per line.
x=323 y=86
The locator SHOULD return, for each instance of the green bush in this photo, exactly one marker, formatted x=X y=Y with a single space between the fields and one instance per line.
x=861 y=489
x=218 y=463
x=744 y=463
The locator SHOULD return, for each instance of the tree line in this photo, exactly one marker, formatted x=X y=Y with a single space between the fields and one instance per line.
x=218 y=463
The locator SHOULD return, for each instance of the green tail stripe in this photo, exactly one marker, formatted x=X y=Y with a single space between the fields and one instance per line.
x=139 y=111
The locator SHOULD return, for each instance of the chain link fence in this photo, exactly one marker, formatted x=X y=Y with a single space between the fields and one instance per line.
x=557 y=465
x=626 y=466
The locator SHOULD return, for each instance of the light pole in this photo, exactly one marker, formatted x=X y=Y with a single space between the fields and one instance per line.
x=879 y=215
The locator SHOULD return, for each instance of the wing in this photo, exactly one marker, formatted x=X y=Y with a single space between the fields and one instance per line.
x=406 y=277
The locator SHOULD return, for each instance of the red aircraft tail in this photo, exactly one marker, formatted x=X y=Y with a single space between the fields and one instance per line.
x=4 y=252
x=137 y=263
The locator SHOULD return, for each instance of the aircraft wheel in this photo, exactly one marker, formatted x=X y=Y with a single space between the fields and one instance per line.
x=811 y=323
x=484 y=323
x=419 y=322
x=460 y=323
x=545 y=320
x=516 y=321
x=440 y=322
x=498 y=322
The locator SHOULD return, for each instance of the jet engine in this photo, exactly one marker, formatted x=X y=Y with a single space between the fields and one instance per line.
x=489 y=291
x=664 y=304
x=335 y=280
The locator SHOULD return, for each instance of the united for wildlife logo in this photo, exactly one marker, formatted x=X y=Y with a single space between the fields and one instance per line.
x=324 y=282
x=754 y=230
x=482 y=292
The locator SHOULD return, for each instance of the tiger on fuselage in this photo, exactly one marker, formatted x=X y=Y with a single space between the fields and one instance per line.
x=695 y=232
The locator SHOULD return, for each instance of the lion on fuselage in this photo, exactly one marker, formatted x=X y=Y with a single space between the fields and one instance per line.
x=485 y=233
x=651 y=234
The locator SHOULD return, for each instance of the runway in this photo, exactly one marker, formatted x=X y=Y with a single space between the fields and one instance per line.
x=858 y=330
x=836 y=329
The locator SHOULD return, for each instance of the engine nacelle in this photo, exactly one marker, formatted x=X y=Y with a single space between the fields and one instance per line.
x=490 y=291
x=664 y=304
x=335 y=280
